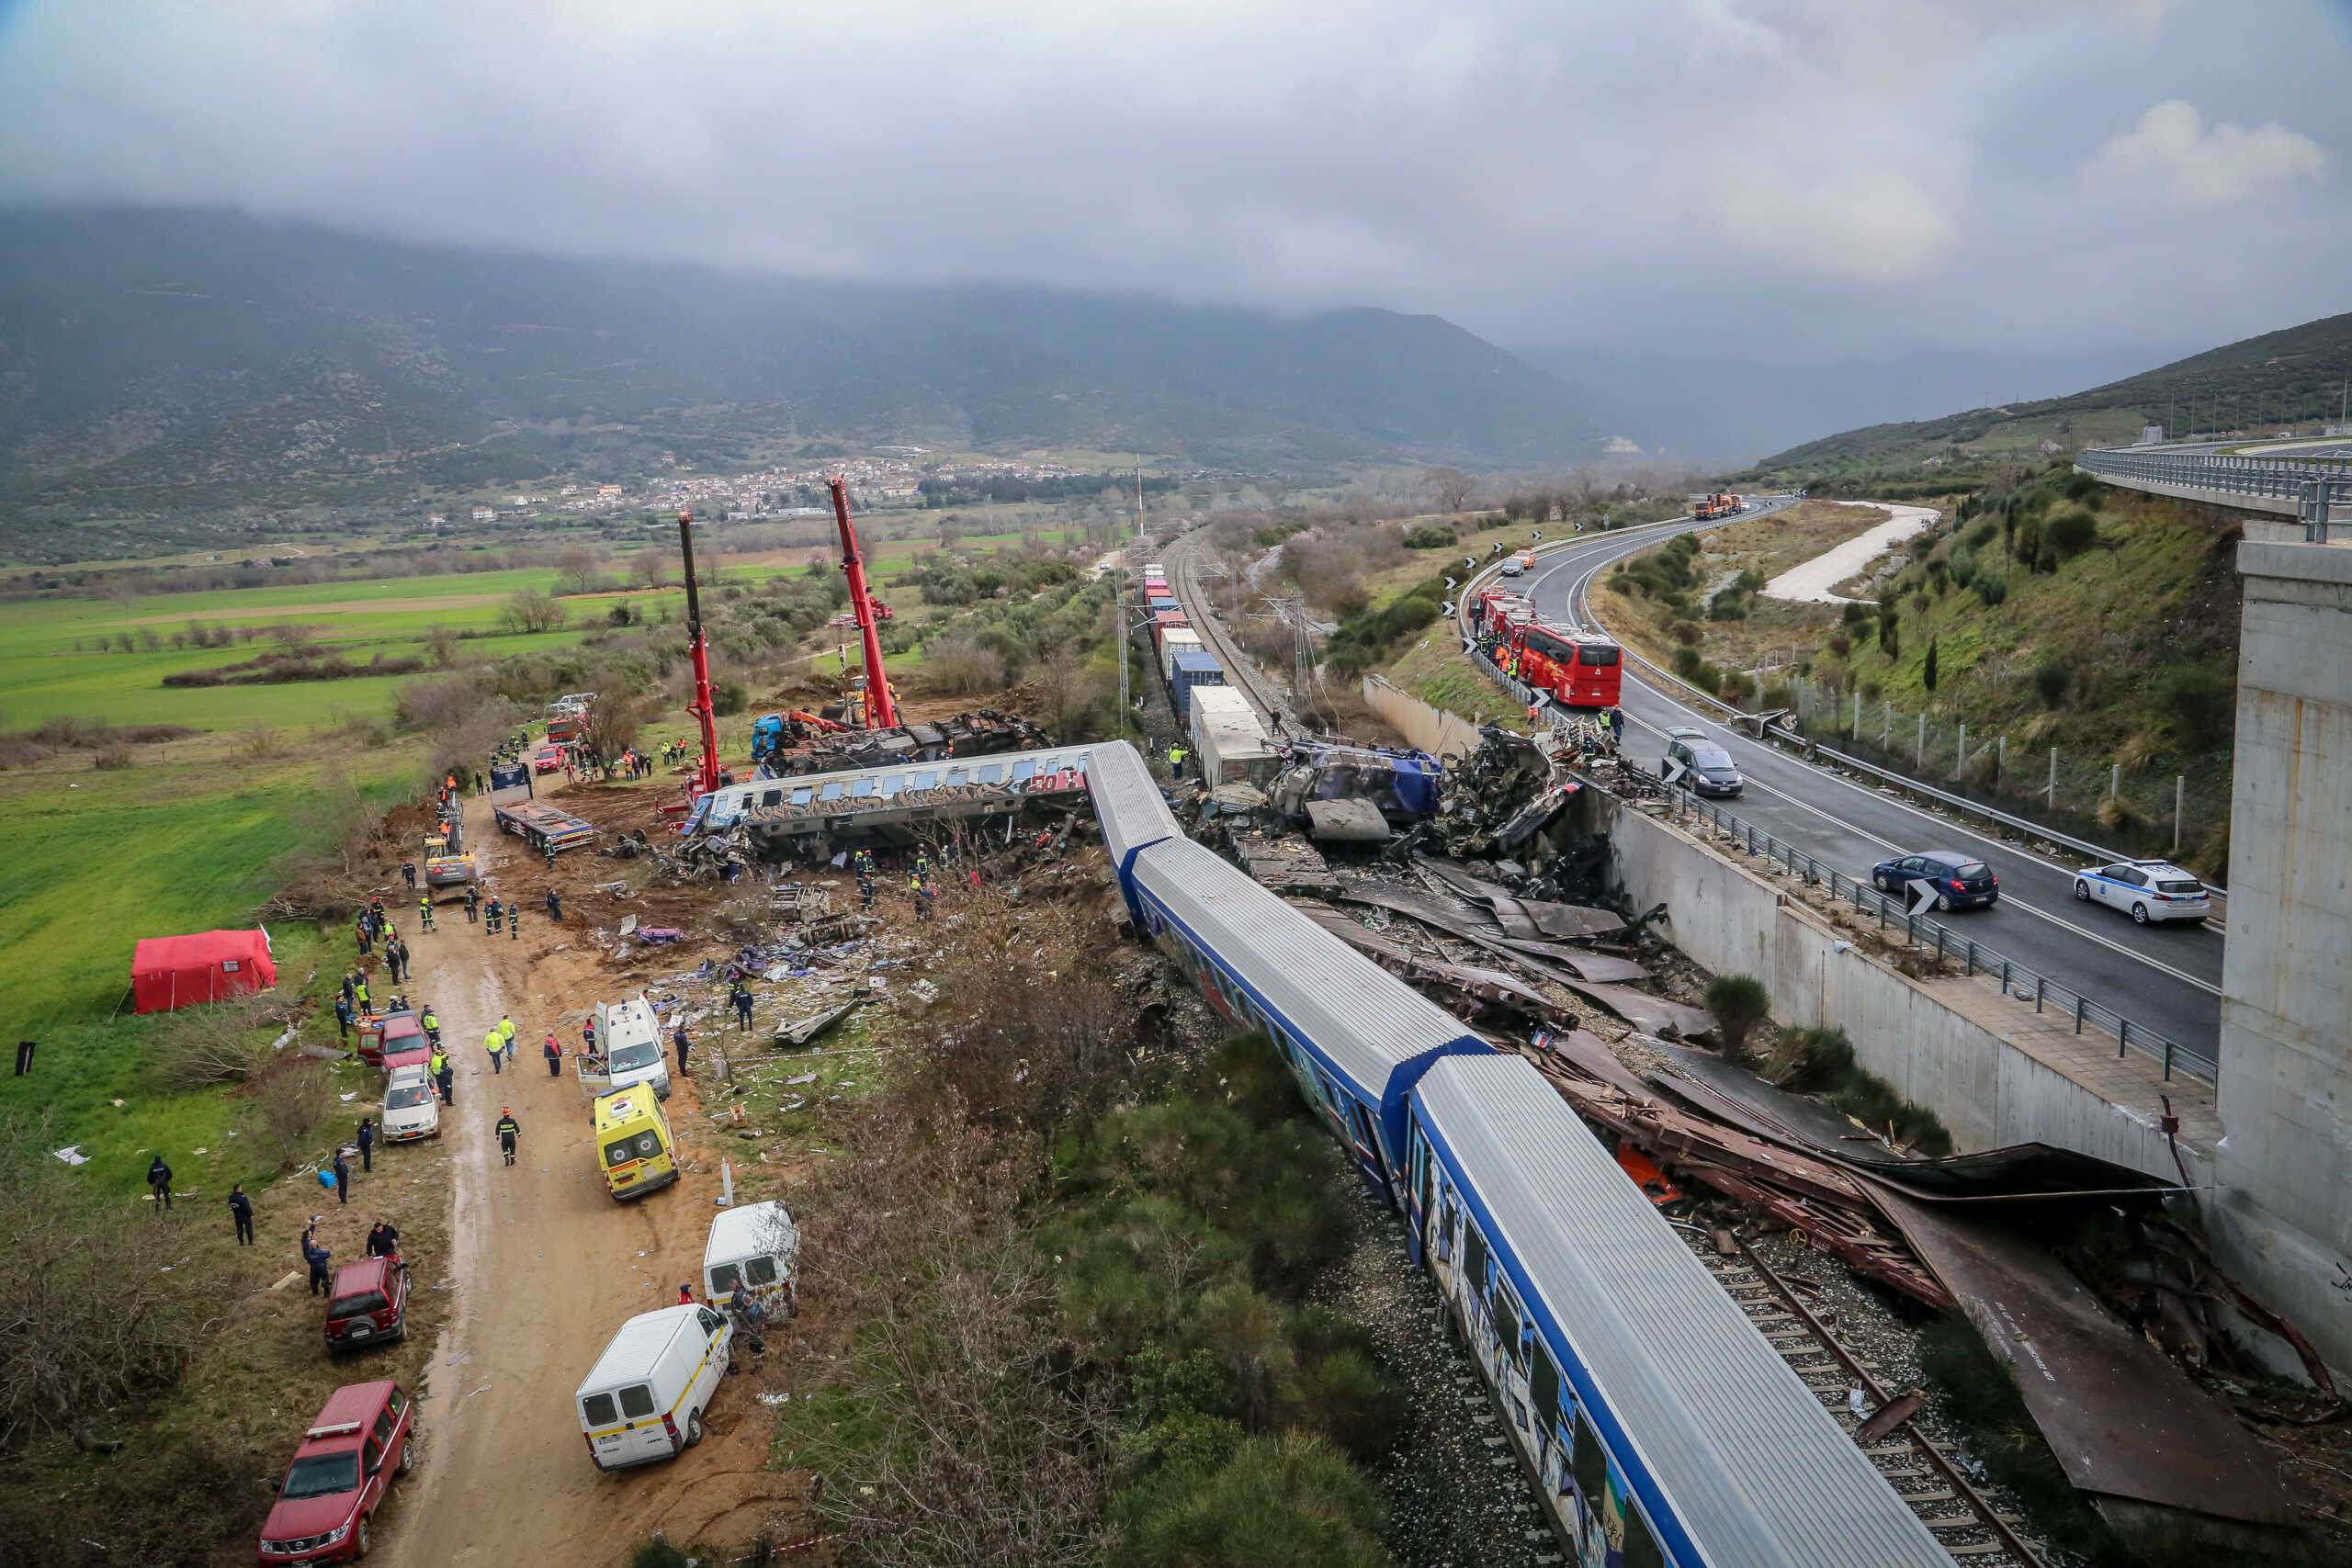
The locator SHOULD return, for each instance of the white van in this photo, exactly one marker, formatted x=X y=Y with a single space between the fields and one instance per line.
x=644 y=1398
x=631 y=1035
x=754 y=1245
x=412 y=1109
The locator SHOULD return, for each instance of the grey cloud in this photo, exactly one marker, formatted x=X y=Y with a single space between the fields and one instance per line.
x=1800 y=176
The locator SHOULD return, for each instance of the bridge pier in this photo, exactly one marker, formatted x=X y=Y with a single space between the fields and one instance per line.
x=2284 y=1171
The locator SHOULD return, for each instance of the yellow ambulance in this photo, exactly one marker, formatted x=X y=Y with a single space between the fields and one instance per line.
x=633 y=1142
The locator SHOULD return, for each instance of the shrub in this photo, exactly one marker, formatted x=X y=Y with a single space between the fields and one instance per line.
x=1431 y=536
x=1294 y=1500
x=2199 y=700
x=2071 y=533
x=1962 y=566
x=1686 y=662
x=1807 y=1061
x=959 y=664
x=1992 y=588
x=1928 y=673
x=2119 y=813
x=1739 y=1002
x=1855 y=613
x=532 y=610
x=727 y=697
x=2051 y=679
x=1736 y=687
x=1841 y=644
x=112 y=758
x=1687 y=632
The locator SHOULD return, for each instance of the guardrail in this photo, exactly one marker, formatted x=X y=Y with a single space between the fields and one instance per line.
x=2212 y=470
x=1975 y=957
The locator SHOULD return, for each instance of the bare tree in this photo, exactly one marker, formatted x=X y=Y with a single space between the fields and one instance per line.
x=577 y=572
x=292 y=1097
x=533 y=610
x=1449 y=486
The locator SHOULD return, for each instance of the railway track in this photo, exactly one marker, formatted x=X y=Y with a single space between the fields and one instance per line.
x=1968 y=1524
x=1181 y=556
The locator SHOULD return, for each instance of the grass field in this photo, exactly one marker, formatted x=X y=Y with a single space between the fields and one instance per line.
x=89 y=863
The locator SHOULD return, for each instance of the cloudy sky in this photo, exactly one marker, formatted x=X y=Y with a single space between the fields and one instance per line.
x=1765 y=178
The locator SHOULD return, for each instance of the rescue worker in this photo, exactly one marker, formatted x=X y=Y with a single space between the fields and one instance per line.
x=491 y=915
x=549 y=847
x=431 y=1024
x=515 y=919
x=445 y=1073
x=555 y=906
x=749 y=1320
x=408 y=869
x=866 y=890
x=508 y=1130
x=317 y=1256
x=361 y=998
x=923 y=900
x=473 y=903
x=1176 y=761
x=506 y=1032
x=425 y=912
x=863 y=862
x=553 y=1051
x=495 y=1044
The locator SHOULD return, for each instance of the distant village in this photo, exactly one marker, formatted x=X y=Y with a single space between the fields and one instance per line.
x=894 y=475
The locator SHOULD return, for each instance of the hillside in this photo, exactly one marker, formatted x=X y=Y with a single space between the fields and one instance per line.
x=2295 y=374
x=184 y=361
x=2062 y=614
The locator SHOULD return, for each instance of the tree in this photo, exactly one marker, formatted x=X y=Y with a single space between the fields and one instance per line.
x=1927 y=676
x=1449 y=486
x=532 y=610
x=650 y=567
x=576 y=571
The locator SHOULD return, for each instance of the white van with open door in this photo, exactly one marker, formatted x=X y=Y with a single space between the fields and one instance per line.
x=753 y=1247
x=630 y=1035
x=644 y=1397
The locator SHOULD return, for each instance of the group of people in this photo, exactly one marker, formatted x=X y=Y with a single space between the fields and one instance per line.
x=383 y=1241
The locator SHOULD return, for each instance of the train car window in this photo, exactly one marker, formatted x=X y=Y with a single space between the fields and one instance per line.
x=1474 y=1256
x=1505 y=1321
x=992 y=773
x=1024 y=769
x=1589 y=1465
x=1544 y=1388
x=862 y=789
x=1641 y=1547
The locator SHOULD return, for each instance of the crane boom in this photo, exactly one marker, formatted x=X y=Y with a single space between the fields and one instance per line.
x=880 y=714
x=698 y=653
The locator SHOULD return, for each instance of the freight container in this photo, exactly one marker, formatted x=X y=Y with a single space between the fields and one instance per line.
x=1173 y=641
x=1193 y=670
x=1165 y=622
x=1228 y=740
x=1159 y=601
x=1155 y=573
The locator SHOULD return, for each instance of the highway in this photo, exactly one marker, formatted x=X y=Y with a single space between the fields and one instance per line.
x=2168 y=977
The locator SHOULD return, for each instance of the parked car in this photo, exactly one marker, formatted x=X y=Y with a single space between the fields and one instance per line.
x=1707 y=768
x=412 y=1108
x=368 y=1306
x=753 y=1247
x=547 y=759
x=389 y=1036
x=644 y=1398
x=363 y=1437
x=1959 y=881
x=2151 y=889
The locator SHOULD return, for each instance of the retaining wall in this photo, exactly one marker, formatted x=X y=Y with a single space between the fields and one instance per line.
x=1988 y=1091
x=1434 y=731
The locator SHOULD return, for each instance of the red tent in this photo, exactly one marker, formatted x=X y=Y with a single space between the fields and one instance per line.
x=180 y=971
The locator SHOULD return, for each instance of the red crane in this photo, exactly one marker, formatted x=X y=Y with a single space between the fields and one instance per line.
x=699 y=651
x=879 y=712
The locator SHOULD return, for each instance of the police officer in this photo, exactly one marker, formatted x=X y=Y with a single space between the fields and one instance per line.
x=240 y=1209
x=431 y=1024
x=439 y=1067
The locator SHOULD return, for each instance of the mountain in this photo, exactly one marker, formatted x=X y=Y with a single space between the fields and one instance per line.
x=158 y=361
x=1728 y=410
x=2297 y=374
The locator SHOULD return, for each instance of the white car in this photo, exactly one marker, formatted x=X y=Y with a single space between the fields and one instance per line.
x=412 y=1109
x=2151 y=889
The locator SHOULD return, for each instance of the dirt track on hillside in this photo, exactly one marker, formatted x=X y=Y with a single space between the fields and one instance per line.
x=547 y=1266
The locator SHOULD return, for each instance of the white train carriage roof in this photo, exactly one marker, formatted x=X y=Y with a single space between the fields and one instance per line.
x=1367 y=1023
x=1747 y=1460
x=1127 y=801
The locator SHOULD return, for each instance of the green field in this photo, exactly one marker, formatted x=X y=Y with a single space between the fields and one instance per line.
x=89 y=863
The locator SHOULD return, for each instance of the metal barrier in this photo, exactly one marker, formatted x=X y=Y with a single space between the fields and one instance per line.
x=1975 y=957
x=2283 y=479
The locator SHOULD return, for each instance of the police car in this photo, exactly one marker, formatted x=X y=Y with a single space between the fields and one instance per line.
x=2150 y=889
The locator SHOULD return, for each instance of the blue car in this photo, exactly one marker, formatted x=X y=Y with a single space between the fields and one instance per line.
x=1953 y=880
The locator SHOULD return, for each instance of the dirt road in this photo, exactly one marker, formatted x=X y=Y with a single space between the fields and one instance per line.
x=547 y=1266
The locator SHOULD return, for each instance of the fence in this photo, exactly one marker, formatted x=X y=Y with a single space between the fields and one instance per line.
x=2280 y=478
x=2162 y=815
x=1974 y=957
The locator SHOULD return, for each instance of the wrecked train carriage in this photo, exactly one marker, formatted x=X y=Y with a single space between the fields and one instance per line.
x=816 y=815
x=983 y=732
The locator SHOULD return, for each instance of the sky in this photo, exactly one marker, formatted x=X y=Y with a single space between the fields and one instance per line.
x=1779 y=179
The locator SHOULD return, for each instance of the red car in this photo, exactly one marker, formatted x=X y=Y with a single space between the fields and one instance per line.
x=547 y=759
x=391 y=1032
x=368 y=1304
x=361 y=1439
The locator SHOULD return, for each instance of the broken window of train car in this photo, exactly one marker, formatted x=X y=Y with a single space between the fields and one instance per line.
x=1590 y=1466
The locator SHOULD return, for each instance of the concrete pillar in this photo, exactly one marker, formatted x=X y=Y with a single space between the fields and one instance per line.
x=2285 y=1169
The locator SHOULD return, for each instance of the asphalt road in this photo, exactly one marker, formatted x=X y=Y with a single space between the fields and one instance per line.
x=2168 y=977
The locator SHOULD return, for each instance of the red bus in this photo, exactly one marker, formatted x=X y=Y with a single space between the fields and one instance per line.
x=1579 y=669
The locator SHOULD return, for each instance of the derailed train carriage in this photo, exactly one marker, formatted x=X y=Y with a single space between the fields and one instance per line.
x=1659 y=1427
x=815 y=815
